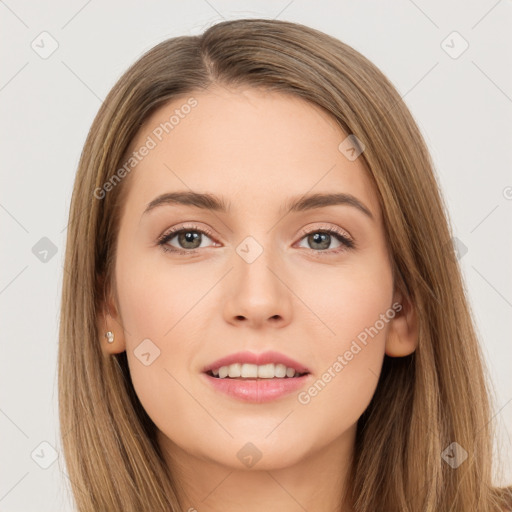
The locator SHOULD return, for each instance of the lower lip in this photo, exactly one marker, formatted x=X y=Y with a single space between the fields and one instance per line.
x=257 y=390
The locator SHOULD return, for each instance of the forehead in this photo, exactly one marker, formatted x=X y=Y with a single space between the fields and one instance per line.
x=252 y=145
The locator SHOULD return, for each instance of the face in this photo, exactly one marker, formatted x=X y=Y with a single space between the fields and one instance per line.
x=194 y=285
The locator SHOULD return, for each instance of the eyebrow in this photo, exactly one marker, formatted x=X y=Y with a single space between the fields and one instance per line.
x=215 y=203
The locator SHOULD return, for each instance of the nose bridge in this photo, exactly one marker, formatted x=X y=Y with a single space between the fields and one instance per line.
x=255 y=289
x=253 y=263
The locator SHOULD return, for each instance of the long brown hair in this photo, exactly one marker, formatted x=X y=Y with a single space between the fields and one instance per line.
x=423 y=402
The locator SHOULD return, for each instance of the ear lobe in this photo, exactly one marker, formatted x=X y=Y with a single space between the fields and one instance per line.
x=109 y=320
x=403 y=331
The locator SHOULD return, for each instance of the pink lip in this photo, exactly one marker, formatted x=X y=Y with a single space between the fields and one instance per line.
x=257 y=390
x=259 y=359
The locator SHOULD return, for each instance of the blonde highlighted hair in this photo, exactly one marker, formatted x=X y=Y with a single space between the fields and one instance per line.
x=423 y=402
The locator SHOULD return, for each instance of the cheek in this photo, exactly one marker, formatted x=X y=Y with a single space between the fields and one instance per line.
x=354 y=305
x=160 y=307
x=346 y=299
x=337 y=398
x=154 y=296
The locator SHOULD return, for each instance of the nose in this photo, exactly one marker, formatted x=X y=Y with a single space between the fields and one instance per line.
x=256 y=293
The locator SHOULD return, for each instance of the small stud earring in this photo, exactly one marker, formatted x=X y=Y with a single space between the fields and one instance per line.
x=110 y=336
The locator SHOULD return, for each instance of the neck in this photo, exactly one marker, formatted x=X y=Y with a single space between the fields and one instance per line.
x=315 y=482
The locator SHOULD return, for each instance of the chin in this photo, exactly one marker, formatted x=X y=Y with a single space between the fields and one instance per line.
x=255 y=453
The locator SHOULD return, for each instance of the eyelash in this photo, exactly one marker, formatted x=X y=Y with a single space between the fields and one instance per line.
x=340 y=236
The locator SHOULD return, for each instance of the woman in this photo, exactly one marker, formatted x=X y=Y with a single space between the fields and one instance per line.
x=262 y=309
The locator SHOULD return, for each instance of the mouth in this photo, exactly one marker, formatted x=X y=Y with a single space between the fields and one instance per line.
x=254 y=388
x=257 y=378
x=246 y=371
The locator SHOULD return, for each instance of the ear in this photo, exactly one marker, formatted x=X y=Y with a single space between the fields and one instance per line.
x=109 y=319
x=403 y=332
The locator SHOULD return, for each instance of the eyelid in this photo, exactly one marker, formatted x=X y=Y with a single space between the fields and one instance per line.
x=325 y=227
x=346 y=240
x=166 y=235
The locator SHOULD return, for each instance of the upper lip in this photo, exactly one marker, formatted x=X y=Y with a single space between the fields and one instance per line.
x=258 y=359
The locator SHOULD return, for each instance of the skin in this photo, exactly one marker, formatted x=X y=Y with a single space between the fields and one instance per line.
x=257 y=149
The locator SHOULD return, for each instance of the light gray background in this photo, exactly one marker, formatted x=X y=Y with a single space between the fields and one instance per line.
x=463 y=106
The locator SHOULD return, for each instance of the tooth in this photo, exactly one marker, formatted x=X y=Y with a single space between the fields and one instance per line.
x=249 y=370
x=252 y=371
x=290 y=372
x=280 y=370
x=234 y=370
x=266 y=371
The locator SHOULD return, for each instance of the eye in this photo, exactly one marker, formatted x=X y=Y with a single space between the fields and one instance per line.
x=189 y=238
x=321 y=239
